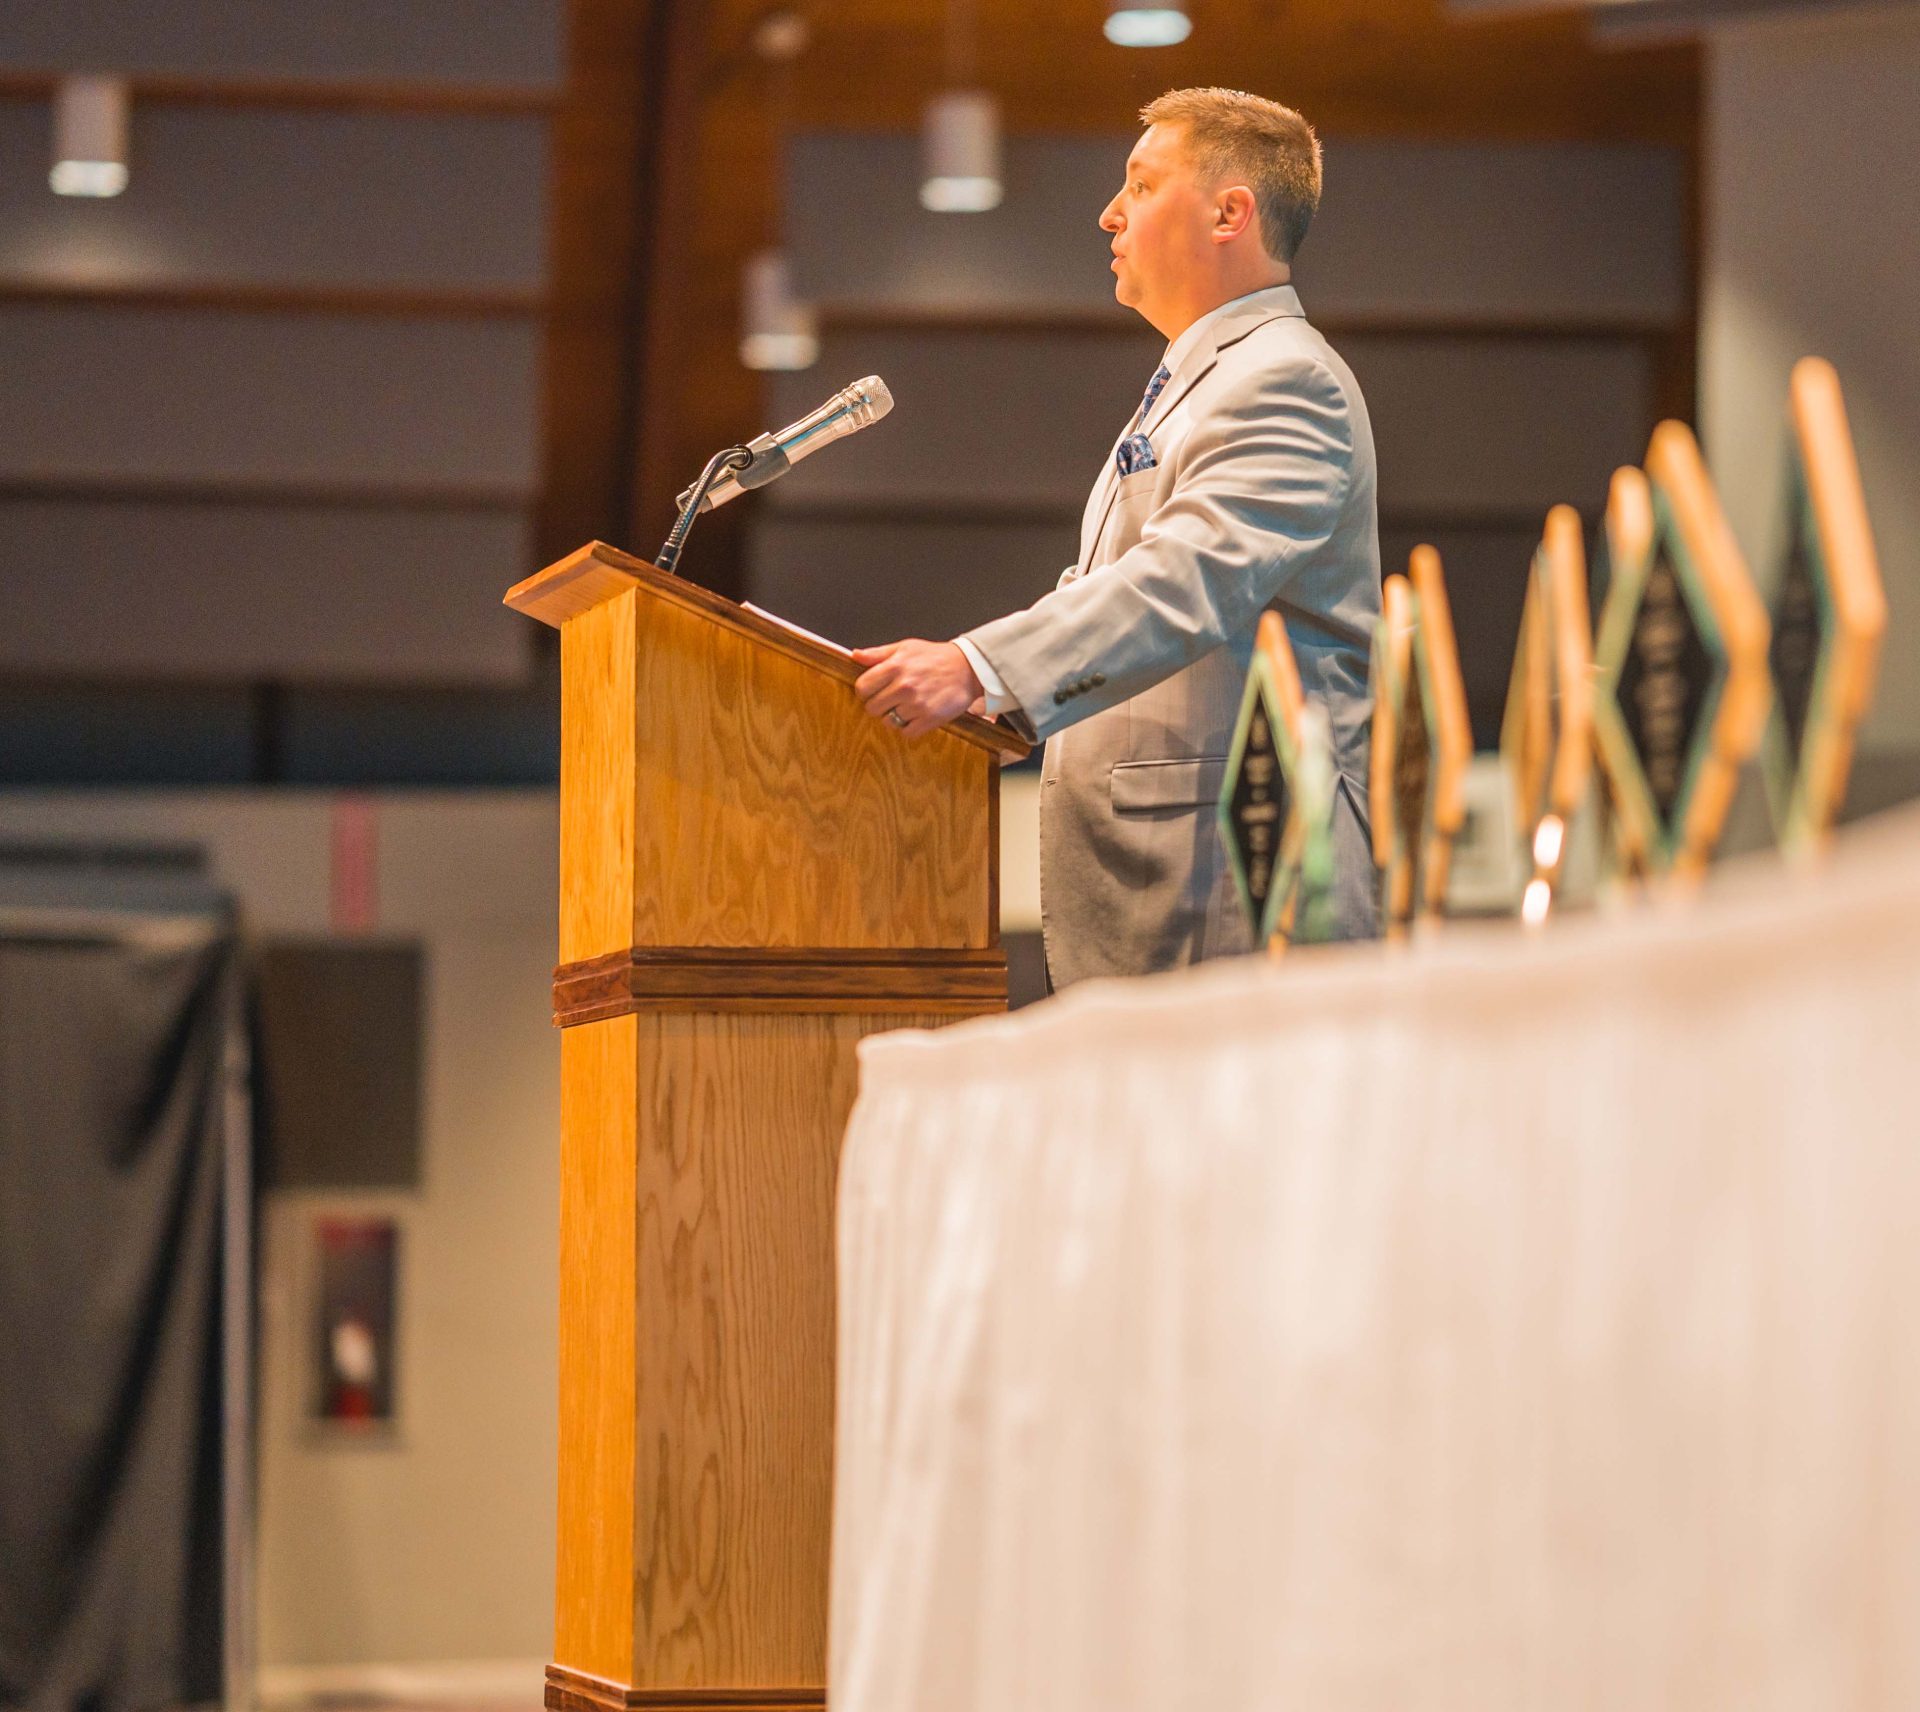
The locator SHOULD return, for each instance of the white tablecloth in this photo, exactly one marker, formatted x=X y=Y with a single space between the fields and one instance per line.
x=1508 y=1323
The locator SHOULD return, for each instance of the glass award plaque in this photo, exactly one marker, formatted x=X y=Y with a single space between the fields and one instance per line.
x=1829 y=615
x=1309 y=839
x=1449 y=731
x=1681 y=686
x=1257 y=814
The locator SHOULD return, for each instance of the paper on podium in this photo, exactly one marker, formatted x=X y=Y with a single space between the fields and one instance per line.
x=845 y=653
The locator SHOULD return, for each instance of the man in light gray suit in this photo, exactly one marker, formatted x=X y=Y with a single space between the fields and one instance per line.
x=1245 y=481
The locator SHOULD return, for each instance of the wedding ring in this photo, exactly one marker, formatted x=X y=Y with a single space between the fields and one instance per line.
x=894 y=715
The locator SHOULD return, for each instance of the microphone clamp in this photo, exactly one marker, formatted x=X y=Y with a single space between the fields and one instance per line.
x=732 y=459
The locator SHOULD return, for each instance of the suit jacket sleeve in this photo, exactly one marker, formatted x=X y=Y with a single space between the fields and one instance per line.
x=1258 y=489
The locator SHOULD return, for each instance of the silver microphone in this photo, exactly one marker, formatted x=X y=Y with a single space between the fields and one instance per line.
x=846 y=412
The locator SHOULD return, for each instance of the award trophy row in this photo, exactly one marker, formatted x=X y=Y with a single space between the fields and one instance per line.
x=1276 y=804
x=1690 y=678
x=1694 y=678
x=1686 y=680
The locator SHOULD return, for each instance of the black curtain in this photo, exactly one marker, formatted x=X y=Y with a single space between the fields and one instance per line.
x=113 y=1027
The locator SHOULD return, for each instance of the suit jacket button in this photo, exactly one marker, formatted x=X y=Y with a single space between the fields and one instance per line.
x=1059 y=696
x=1098 y=679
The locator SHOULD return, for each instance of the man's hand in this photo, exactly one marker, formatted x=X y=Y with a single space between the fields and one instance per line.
x=917 y=686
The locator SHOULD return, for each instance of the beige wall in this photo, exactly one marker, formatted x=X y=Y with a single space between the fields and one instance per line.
x=1812 y=246
x=437 y=1544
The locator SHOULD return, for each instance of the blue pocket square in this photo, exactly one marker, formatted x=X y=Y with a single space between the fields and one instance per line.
x=1134 y=455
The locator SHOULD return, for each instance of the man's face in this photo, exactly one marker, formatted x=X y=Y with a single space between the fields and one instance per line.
x=1160 y=223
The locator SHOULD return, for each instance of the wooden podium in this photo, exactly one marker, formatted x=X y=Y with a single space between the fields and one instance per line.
x=754 y=873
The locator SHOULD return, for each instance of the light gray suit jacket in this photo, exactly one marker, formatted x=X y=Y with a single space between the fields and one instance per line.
x=1133 y=667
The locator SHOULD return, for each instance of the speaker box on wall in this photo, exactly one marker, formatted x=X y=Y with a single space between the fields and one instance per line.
x=339 y=1072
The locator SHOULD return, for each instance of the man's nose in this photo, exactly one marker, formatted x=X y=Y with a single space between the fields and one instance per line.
x=1110 y=216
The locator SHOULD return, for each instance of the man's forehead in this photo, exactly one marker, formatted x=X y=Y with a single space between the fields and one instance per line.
x=1156 y=147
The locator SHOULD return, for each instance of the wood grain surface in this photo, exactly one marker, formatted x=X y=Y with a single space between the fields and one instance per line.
x=1397 y=780
x=1437 y=656
x=770 y=810
x=595 y=571
x=1563 y=570
x=597 y=778
x=568 y=587
x=572 y=1691
x=739 y=1125
x=1272 y=640
x=697 y=978
x=754 y=875
x=593 y=1619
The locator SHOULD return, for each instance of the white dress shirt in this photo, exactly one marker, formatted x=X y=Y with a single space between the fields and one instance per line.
x=998 y=701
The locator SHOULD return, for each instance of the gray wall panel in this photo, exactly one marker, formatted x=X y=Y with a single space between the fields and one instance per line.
x=216 y=593
x=134 y=734
x=861 y=581
x=989 y=418
x=191 y=397
x=1518 y=231
x=1024 y=419
x=857 y=233
x=1407 y=230
x=480 y=41
x=248 y=197
x=1463 y=424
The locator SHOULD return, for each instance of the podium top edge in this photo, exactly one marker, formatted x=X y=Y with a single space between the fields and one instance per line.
x=596 y=573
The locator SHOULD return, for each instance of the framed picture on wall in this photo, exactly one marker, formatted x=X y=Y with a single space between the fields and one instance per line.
x=357 y=1274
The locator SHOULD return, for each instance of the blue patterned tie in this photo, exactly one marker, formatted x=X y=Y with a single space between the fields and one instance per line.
x=1134 y=452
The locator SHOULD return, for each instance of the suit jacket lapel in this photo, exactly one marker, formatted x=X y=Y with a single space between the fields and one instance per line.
x=1228 y=329
x=1101 y=499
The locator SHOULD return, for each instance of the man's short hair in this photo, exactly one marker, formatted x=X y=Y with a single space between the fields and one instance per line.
x=1247 y=139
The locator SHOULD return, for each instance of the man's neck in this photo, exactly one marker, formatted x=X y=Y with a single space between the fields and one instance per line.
x=1180 y=319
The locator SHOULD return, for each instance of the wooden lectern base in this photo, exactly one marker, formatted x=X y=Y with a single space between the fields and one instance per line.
x=574 y=1691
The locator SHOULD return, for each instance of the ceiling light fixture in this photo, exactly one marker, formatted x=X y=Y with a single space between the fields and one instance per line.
x=89 y=137
x=960 y=172
x=781 y=35
x=962 y=153
x=1131 y=25
x=777 y=330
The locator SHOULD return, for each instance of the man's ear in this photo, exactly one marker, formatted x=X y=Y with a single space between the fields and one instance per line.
x=1234 y=212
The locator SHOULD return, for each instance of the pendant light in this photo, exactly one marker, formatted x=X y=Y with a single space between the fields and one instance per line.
x=962 y=153
x=777 y=330
x=89 y=137
x=1132 y=25
x=961 y=143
